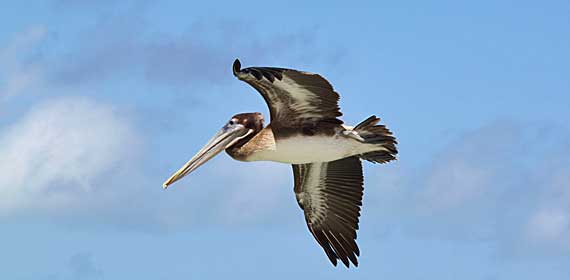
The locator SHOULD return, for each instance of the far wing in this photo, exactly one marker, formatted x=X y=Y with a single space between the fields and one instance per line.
x=296 y=99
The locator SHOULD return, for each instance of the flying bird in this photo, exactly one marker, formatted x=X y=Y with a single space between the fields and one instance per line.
x=306 y=132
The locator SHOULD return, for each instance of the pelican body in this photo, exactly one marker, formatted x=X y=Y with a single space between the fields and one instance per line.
x=325 y=154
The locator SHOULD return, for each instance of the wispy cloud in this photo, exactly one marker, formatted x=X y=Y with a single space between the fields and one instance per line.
x=504 y=183
x=53 y=154
x=548 y=226
x=257 y=194
x=125 y=45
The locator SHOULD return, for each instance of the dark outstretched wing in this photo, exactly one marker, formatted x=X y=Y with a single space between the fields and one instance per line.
x=330 y=193
x=296 y=99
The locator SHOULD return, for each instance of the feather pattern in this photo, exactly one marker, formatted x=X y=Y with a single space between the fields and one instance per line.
x=299 y=102
x=330 y=193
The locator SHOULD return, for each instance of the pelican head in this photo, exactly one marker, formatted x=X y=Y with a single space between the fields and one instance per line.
x=236 y=132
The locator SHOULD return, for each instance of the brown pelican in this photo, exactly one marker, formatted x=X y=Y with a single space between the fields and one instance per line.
x=305 y=132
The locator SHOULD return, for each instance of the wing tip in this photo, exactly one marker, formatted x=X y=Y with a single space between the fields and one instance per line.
x=236 y=67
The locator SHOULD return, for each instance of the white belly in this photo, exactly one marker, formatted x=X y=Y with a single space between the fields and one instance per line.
x=306 y=149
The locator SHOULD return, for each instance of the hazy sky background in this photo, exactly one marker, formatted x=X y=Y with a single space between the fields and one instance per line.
x=100 y=102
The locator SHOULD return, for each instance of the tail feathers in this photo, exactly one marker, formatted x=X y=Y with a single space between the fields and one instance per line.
x=379 y=135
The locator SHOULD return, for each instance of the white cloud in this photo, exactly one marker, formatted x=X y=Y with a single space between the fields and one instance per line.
x=455 y=182
x=549 y=225
x=52 y=155
x=18 y=74
x=464 y=181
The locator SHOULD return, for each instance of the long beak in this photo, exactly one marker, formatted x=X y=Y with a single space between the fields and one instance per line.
x=223 y=139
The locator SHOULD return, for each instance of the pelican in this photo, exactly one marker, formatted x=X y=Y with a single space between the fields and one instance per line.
x=325 y=154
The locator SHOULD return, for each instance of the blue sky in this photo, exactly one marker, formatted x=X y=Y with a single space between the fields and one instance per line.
x=100 y=101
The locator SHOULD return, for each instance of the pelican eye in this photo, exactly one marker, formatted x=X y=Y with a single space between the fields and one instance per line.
x=232 y=122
